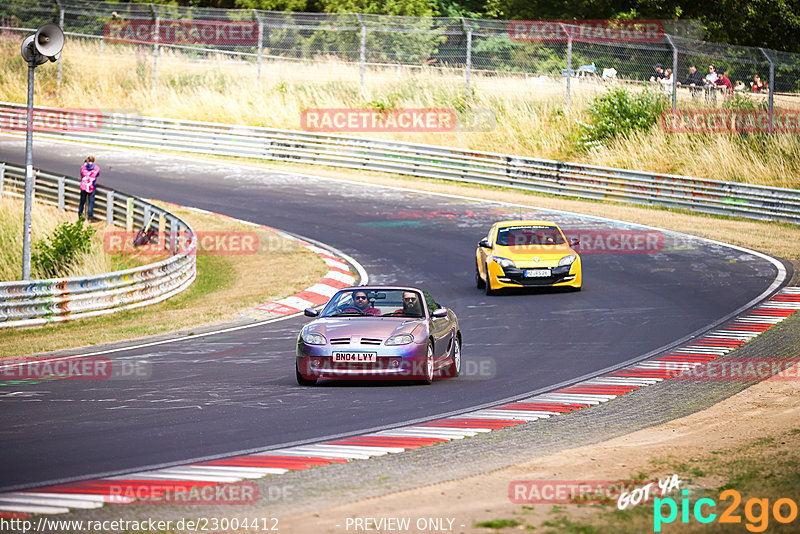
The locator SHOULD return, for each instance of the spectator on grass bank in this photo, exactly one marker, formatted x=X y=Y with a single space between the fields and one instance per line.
x=694 y=81
x=758 y=85
x=724 y=83
x=90 y=171
x=658 y=72
x=740 y=86
x=711 y=77
x=666 y=82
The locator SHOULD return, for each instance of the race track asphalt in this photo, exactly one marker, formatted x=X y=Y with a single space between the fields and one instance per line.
x=235 y=391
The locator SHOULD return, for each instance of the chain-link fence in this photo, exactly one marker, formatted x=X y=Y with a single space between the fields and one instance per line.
x=564 y=56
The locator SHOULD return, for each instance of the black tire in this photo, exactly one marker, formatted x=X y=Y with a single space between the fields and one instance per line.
x=454 y=369
x=489 y=289
x=427 y=379
x=479 y=283
x=303 y=381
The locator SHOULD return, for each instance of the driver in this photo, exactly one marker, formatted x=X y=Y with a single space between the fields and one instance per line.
x=361 y=303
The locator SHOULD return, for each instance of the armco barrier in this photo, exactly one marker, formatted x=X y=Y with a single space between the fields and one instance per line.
x=545 y=176
x=35 y=302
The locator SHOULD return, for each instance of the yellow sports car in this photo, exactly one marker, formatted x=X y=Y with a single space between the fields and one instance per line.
x=526 y=254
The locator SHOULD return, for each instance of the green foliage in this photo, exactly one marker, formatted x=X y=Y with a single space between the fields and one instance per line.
x=620 y=113
x=53 y=256
x=499 y=523
x=742 y=102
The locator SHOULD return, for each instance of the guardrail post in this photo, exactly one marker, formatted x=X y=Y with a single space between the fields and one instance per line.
x=362 y=59
x=173 y=230
x=146 y=215
x=157 y=21
x=110 y=208
x=60 y=193
x=2 y=177
x=162 y=226
x=468 y=67
x=129 y=215
x=771 y=87
x=674 y=71
x=260 y=45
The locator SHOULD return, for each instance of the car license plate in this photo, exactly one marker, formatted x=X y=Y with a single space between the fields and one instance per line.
x=355 y=357
x=537 y=273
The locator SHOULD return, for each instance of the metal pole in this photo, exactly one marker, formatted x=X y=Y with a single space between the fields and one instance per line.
x=157 y=20
x=363 y=55
x=260 y=44
x=771 y=87
x=60 y=25
x=674 y=72
x=569 y=62
x=26 y=228
x=468 y=68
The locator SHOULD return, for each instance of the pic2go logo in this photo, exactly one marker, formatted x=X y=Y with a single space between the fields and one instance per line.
x=756 y=511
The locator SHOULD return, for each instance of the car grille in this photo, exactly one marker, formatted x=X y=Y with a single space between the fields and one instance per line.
x=370 y=341
x=340 y=341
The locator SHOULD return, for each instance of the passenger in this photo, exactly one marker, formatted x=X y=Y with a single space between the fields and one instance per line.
x=412 y=307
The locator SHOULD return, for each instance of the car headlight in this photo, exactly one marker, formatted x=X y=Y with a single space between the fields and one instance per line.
x=503 y=262
x=312 y=338
x=567 y=260
x=400 y=339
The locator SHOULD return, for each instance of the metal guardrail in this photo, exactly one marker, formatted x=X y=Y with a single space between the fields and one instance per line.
x=430 y=161
x=36 y=302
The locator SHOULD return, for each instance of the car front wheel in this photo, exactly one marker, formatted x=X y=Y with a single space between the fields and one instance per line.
x=455 y=366
x=489 y=289
x=479 y=283
x=303 y=381
x=428 y=376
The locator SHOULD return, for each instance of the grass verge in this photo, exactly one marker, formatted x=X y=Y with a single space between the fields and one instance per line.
x=225 y=285
x=44 y=220
x=761 y=473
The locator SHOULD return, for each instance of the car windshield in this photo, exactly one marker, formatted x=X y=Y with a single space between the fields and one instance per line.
x=520 y=236
x=375 y=303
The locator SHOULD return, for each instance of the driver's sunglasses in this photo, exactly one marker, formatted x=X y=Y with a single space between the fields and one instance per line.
x=409 y=299
x=361 y=298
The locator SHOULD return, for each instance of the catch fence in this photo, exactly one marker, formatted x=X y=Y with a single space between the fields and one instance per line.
x=592 y=54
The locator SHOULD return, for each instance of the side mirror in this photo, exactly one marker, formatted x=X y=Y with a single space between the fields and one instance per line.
x=439 y=313
x=574 y=242
x=484 y=243
x=310 y=312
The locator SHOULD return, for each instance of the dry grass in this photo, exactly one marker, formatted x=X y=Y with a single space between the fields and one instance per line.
x=43 y=221
x=226 y=285
x=530 y=117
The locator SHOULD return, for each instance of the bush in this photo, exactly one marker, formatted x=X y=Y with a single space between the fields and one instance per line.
x=53 y=256
x=743 y=102
x=620 y=113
